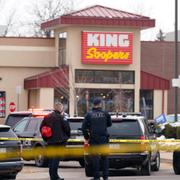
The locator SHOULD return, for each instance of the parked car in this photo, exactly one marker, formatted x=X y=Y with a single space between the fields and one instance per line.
x=176 y=162
x=11 y=166
x=14 y=117
x=28 y=127
x=130 y=127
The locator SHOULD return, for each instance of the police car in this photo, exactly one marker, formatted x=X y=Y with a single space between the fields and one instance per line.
x=14 y=117
x=28 y=128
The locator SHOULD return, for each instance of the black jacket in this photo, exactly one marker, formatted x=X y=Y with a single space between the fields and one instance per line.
x=95 y=125
x=60 y=128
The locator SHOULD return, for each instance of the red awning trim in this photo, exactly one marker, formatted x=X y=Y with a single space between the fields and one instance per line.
x=98 y=22
x=150 y=81
x=56 y=78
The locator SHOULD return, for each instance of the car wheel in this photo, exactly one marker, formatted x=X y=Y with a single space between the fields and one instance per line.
x=146 y=169
x=41 y=161
x=156 y=163
x=81 y=162
x=88 y=170
x=176 y=162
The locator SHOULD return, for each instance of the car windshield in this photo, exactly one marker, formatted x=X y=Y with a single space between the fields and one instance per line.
x=171 y=118
x=125 y=128
x=13 y=119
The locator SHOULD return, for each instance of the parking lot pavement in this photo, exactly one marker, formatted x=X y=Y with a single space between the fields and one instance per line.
x=166 y=156
x=67 y=169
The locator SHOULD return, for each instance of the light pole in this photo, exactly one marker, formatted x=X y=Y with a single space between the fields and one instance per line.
x=176 y=60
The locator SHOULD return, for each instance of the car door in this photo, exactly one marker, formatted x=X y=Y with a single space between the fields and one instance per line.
x=30 y=132
x=151 y=136
x=26 y=128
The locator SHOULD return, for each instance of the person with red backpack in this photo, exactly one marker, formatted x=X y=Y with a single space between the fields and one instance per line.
x=55 y=130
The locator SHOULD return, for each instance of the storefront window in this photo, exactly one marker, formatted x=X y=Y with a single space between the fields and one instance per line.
x=2 y=104
x=146 y=103
x=62 y=48
x=104 y=76
x=114 y=100
x=61 y=95
x=84 y=76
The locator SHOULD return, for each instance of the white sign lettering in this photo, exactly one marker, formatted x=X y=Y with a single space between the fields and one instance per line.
x=108 y=40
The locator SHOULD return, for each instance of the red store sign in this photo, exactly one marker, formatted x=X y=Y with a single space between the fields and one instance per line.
x=107 y=47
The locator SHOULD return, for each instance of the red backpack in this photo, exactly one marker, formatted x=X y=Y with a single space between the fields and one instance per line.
x=46 y=132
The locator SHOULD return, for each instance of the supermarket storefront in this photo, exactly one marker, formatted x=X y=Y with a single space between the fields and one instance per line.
x=95 y=52
x=98 y=54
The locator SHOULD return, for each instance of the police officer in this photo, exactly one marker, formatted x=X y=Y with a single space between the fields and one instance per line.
x=94 y=129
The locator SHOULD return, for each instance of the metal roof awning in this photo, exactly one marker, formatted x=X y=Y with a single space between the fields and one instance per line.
x=58 y=77
x=151 y=81
x=100 y=16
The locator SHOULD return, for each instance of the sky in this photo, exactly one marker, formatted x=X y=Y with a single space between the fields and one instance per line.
x=163 y=11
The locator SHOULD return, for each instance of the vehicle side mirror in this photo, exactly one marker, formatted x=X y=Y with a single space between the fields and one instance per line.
x=14 y=129
x=152 y=128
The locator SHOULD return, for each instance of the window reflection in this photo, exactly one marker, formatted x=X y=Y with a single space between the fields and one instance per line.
x=104 y=76
x=113 y=100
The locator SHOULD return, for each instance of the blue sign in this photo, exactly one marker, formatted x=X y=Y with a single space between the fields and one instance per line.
x=160 y=119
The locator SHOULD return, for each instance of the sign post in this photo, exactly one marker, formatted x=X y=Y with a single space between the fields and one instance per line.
x=176 y=85
x=176 y=60
x=18 y=92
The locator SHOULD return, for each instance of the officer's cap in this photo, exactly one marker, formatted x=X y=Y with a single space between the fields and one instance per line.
x=97 y=101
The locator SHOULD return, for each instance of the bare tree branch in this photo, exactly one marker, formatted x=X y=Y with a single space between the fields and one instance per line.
x=43 y=11
x=160 y=36
x=9 y=23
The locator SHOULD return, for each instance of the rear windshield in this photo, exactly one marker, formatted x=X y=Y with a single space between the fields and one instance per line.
x=13 y=119
x=75 y=125
x=125 y=128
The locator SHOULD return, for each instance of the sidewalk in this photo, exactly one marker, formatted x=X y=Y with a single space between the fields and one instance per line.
x=166 y=156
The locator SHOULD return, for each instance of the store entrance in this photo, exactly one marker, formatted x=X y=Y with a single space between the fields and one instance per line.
x=146 y=103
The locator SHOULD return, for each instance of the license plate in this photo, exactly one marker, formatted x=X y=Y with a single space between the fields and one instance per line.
x=2 y=150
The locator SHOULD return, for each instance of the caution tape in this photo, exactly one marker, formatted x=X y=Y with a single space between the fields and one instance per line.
x=20 y=139
x=111 y=140
x=111 y=149
x=60 y=151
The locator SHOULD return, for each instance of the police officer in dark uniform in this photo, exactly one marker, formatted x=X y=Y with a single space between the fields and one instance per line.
x=94 y=129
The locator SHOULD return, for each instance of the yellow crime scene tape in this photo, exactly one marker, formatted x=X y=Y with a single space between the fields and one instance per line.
x=55 y=151
x=111 y=140
x=114 y=147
